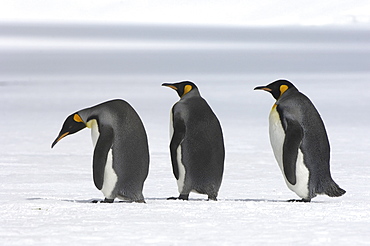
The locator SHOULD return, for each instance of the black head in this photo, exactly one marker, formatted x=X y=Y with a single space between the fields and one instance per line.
x=71 y=125
x=277 y=88
x=182 y=88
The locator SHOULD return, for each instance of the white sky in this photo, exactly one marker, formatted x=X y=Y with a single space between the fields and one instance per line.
x=214 y=12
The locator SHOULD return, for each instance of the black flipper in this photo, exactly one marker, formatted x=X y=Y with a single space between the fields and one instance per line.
x=292 y=141
x=178 y=136
x=103 y=145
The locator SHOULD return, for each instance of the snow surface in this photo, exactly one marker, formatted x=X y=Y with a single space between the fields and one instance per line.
x=45 y=192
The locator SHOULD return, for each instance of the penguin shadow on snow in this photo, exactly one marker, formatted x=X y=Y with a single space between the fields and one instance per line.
x=234 y=200
x=269 y=201
x=93 y=200
x=166 y=199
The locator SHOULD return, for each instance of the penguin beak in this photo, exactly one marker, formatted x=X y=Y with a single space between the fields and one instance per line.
x=262 y=88
x=170 y=85
x=61 y=135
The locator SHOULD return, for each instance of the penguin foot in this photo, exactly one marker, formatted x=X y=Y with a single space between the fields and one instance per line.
x=106 y=200
x=212 y=198
x=184 y=197
x=181 y=197
x=299 y=200
x=103 y=201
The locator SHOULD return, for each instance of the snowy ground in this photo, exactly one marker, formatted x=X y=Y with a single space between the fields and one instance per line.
x=45 y=192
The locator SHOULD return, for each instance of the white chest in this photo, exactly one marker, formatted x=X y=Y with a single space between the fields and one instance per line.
x=93 y=125
x=277 y=137
x=171 y=124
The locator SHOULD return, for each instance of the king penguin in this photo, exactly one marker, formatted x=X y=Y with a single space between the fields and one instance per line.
x=300 y=143
x=197 y=145
x=121 y=155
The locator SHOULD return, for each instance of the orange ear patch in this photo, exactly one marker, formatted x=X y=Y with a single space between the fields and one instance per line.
x=283 y=88
x=77 y=118
x=187 y=89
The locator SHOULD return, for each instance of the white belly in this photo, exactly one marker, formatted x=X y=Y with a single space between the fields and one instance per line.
x=110 y=176
x=181 y=168
x=277 y=136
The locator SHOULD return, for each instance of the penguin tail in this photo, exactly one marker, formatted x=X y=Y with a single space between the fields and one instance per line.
x=333 y=190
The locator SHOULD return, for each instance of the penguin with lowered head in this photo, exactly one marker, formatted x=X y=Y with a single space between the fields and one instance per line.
x=121 y=155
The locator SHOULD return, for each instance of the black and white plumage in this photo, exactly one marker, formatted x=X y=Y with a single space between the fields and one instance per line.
x=197 y=146
x=300 y=142
x=121 y=155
